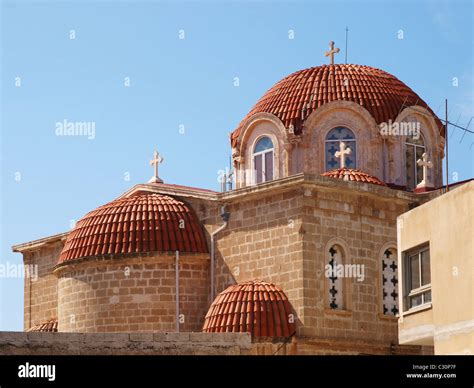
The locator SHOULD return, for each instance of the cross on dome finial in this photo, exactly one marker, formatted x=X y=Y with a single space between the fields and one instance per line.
x=341 y=154
x=425 y=164
x=157 y=159
x=331 y=52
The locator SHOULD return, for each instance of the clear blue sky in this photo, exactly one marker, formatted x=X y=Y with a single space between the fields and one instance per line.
x=186 y=82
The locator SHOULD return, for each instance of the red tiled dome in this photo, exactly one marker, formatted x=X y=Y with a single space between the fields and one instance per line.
x=382 y=94
x=50 y=325
x=254 y=306
x=353 y=175
x=145 y=222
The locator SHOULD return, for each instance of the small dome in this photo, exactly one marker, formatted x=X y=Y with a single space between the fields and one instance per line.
x=144 y=222
x=50 y=325
x=302 y=92
x=354 y=175
x=254 y=306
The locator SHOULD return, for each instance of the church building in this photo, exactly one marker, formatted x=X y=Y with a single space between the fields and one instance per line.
x=299 y=247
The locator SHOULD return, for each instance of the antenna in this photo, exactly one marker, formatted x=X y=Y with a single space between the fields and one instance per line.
x=446 y=122
x=466 y=129
x=347 y=34
x=447 y=148
x=230 y=175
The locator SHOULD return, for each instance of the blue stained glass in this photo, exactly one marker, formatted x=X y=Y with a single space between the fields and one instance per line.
x=340 y=133
x=333 y=138
x=263 y=144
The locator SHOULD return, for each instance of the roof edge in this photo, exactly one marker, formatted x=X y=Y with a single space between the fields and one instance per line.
x=23 y=247
x=172 y=190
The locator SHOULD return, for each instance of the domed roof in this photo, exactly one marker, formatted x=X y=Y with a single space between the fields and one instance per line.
x=254 y=306
x=299 y=94
x=354 y=175
x=144 y=222
x=51 y=325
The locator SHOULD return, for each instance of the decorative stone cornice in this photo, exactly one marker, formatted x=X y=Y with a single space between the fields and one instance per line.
x=252 y=121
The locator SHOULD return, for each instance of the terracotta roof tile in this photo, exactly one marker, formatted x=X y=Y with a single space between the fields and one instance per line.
x=353 y=175
x=51 y=325
x=144 y=222
x=382 y=94
x=254 y=306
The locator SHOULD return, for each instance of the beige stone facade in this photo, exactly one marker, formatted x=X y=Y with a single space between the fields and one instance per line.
x=41 y=293
x=135 y=294
x=199 y=344
x=445 y=227
x=279 y=232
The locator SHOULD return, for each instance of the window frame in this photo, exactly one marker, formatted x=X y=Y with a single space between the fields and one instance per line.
x=263 y=154
x=353 y=140
x=423 y=289
x=415 y=164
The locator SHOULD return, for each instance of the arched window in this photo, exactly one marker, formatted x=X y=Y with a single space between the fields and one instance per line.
x=333 y=138
x=414 y=149
x=390 y=282
x=335 y=276
x=263 y=160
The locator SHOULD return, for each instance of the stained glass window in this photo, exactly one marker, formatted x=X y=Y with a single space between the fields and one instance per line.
x=333 y=138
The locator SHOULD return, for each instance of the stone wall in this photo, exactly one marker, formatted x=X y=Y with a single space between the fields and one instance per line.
x=17 y=343
x=263 y=241
x=278 y=232
x=361 y=346
x=219 y=344
x=41 y=298
x=363 y=225
x=134 y=294
x=281 y=234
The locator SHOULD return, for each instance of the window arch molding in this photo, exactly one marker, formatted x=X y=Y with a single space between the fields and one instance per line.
x=254 y=121
x=429 y=129
x=348 y=114
x=254 y=126
x=434 y=142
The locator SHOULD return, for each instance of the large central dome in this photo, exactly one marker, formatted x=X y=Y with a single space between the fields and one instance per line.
x=294 y=97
